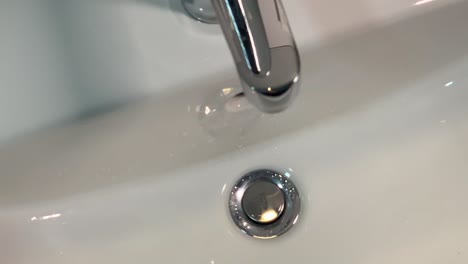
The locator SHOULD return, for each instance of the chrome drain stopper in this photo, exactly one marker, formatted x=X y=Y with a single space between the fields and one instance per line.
x=264 y=204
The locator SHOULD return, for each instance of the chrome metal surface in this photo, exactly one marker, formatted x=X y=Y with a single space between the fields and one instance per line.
x=264 y=204
x=201 y=10
x=263 y=48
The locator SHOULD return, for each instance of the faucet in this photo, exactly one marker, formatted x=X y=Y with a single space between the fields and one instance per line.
x=262 y=46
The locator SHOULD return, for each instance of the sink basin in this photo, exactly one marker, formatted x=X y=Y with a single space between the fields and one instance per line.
x=137 y=165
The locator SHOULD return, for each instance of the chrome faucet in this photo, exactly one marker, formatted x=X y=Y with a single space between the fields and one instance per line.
x=262 y=45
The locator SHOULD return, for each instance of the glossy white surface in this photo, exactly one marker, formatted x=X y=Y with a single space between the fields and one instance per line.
x=63 y=59
x=377 y=143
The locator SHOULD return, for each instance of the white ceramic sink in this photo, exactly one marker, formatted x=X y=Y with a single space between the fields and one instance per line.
x=377 y=141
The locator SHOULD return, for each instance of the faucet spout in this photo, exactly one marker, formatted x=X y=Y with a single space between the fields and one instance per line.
x=264 y=51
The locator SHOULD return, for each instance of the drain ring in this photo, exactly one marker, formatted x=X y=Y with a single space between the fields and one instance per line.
x=288 y=217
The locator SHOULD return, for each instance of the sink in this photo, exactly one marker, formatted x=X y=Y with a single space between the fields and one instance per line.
x=116 y=150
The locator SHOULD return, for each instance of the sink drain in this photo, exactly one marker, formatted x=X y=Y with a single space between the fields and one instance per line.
x=264 y=204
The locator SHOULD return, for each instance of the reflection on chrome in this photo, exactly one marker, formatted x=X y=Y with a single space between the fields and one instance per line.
x=295 y=219
x=268 y=216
